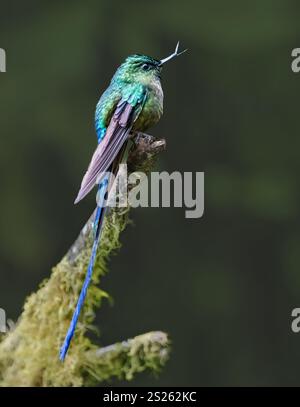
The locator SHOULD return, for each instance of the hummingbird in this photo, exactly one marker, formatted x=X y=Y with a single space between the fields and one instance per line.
x=133 y=102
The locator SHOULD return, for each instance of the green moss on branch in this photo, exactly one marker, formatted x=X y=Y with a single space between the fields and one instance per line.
x=29 y=352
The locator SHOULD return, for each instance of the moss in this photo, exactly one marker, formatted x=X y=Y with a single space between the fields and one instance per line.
x=125 y=359
x=29 y=353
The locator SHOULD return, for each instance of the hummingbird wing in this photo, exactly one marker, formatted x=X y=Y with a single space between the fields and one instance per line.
x=126 y=112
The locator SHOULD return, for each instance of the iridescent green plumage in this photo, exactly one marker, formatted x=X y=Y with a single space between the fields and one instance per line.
x=133 y=83
x=132 y=102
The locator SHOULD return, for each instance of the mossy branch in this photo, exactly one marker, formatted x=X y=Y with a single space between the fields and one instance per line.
x=29 y=352
x=127 y=358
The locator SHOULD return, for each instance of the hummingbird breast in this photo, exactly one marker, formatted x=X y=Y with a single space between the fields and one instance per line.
x=152 y=109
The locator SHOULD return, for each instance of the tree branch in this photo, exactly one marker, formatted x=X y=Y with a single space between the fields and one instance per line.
x=125 y=359
x=29 y=352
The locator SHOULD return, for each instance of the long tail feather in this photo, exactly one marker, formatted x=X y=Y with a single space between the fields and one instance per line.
x=104 y=187
x=97 y=228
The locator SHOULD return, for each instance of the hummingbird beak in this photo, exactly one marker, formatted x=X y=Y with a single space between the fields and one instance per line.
x=175 y=54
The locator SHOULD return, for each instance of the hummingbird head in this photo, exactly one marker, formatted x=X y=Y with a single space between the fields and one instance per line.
x=142 y=68
x=139 y=68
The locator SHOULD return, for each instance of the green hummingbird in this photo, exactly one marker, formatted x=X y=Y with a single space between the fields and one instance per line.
x=132 y=103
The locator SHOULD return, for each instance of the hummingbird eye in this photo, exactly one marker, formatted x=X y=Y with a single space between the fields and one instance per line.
x=146 y=67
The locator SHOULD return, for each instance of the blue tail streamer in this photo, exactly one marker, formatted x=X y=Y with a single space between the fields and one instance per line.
x=97 y=228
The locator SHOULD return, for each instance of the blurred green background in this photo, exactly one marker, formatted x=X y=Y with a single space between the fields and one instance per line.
x=222 y=286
